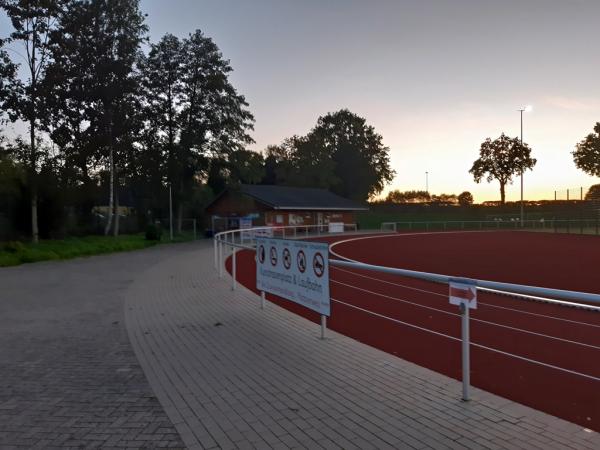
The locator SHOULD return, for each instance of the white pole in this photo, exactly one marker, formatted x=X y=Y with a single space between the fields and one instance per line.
x=262 y=299
x=466 y=343
x=323 y=326
x=221 y=262
x=233 y=282
x=216 y=246
x=170 y=212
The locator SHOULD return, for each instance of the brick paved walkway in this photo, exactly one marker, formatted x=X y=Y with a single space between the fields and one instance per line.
x=233 y=376
x=68 y=375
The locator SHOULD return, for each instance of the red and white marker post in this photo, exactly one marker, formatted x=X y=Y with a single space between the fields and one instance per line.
x=464 y=294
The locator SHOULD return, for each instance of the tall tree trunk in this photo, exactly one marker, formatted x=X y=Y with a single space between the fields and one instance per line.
x=33 y=156
x=33 y=183
x=111 y=194
x=502 y=193
x=116 y=205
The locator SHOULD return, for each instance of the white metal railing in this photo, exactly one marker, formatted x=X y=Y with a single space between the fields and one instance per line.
x=587 y=226
x=227 y=241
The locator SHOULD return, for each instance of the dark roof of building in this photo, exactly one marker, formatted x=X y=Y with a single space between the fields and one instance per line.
x=288 y=197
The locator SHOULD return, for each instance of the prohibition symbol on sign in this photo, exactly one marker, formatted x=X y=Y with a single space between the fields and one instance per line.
x=261 y=254
x=287 y=258
x=273 y=254
x=318 y=264
x=301 y=260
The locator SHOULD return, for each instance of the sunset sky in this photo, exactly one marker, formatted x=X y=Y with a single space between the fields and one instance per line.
x=435 y=78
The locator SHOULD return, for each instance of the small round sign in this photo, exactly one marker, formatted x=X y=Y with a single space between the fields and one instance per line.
x=318 y=264
x=287 y=258
x=261 y=254
x=301 y=261
x=273 y=256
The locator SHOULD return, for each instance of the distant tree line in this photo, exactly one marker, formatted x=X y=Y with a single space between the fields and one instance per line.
x=110 y=123
x=463 y=199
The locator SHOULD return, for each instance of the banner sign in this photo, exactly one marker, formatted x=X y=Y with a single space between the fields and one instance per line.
x=254 y=233
x=245 y=223
x=295 y=270
x=336 y=227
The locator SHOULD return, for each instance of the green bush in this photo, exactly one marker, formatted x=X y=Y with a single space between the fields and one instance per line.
x=14 y=247
x=153 y=232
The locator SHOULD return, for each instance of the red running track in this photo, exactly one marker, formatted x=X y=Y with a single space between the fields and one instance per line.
x=541 y=355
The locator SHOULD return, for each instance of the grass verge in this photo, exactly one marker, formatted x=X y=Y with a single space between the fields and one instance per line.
x=15 y=253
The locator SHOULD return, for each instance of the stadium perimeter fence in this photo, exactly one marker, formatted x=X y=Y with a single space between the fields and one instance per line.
x=580 y=226
x=228 y=243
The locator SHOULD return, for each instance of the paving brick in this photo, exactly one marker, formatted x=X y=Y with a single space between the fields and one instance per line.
x=69 y=375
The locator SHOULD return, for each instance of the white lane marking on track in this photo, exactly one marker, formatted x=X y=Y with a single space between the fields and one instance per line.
x=510 y=294
x=479 y=302
x=508 y=327
x=390 y=235
x=533 y=361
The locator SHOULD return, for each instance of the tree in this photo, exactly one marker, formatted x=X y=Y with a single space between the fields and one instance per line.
x=108 y=35
x=214 y=119
x=447 y=199
x=465 y=198
x=502 y=159
x=246 y=167
x=408 y=197
x=33 y=21
x=360 y=160
x=71 y=103
x=9 y=84
x=341 y=153
x=593 y=193
x=587 y=153
x=161 y=78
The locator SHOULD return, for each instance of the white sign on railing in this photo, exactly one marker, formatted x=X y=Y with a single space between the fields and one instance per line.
x=463 y=293
x=295 y=270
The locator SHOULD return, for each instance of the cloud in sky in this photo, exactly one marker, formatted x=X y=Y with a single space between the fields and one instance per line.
x=573 y=104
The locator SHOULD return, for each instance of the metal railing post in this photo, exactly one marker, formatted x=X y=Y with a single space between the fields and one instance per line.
x=221 y=262
x=233 y=267
x=466 y=343
x=215 y=245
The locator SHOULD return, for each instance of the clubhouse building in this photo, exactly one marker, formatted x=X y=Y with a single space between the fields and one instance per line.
x=258 y=205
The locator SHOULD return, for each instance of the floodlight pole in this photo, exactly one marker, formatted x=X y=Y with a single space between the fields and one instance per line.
x=522 y=211
x=427 y=182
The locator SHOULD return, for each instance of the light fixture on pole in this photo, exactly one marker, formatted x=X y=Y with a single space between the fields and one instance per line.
x=522 y=110
x=427 y=182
